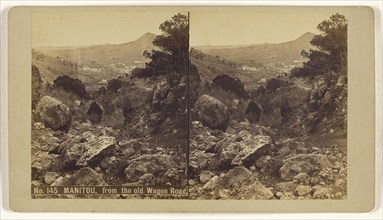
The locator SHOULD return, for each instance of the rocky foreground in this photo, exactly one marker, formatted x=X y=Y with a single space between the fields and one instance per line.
x=228 y=159
x=248 y=162
x=92 y=155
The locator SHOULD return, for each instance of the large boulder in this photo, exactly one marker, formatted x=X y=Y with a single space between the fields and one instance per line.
x=303 y=163
x=84 y=148
x=53 y=113
x=242 y=149
x=212 y=112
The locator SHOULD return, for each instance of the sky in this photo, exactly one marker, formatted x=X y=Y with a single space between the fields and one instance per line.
x=81 y=28
x=207 y=27
x=247 y=27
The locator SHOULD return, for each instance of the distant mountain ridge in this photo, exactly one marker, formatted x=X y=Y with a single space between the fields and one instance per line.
x=105 y=53
x=262 y=54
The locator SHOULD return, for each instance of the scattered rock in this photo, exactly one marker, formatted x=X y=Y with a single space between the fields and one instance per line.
x=211 y=184
x=338 y=195
x=287 y=196
x=38 y=126
x=192 y=182
x=50 y=177
x=147 y=179
x=322 y=193
x=53 y=114
x=278 y=195
x=148 y=163
x=197 y=124
x=303 y=163
x=340 y=183
x=286 y=186
x=245 y=184
x=205 y=176
x=200 y=160
x=302 y=190
x=86 y=176
x=302 y=178
x=42 y=160
x=61 y=181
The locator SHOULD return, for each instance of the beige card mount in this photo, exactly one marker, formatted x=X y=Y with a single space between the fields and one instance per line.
x=191 y=109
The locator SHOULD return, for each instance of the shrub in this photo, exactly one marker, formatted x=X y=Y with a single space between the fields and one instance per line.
x=72 y=85
x=114 y=85
x=273 y=84
x=228 y=83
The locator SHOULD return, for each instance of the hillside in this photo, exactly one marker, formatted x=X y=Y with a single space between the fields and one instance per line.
x=92 y=64
x=210 y=66
x=127 y=53
x=288 y=53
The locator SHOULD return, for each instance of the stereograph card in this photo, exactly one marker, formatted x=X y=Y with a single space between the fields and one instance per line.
x=197 y=109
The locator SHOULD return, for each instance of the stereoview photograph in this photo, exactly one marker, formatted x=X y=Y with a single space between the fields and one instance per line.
x=164 y=104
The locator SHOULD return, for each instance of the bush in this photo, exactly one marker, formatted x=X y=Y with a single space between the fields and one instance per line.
x=69 y=84
x=228 y=83
x=273 y=84
x=114 y=85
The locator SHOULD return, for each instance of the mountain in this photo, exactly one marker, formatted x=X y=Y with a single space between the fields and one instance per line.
x=263 y=54
x=127 y=53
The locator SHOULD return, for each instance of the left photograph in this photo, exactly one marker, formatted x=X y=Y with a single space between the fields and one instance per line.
x=109 y=104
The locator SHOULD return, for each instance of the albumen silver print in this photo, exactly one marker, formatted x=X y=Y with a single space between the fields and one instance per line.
x=182 y=104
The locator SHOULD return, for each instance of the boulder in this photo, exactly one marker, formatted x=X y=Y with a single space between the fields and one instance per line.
x=84 y=148
x=302 y=178
x=200 y=160
x=53 y=114
x=148 y=163
x=205 y=176
x=302 y=190
x=86 y=176
x=286 y=186
x=148 y=179
x=212 y=112
x=50 y=177
x=303 y=163
x=241 y=149
x=211 y=184
x=247 y=186
x=322 y=193
x=42 y=160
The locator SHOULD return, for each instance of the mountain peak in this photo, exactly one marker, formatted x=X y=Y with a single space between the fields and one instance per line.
x=147 y=35
x=305 y=36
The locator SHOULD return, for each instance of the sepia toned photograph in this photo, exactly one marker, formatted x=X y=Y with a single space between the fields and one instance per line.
x=269 y=112
x=109 y=104
x=166 y=104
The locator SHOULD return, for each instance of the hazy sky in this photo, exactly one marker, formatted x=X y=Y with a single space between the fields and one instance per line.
x=234 y=28
x=76 y=28
x=207 y=27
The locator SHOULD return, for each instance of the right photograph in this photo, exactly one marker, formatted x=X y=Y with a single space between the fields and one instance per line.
x=268 y=105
